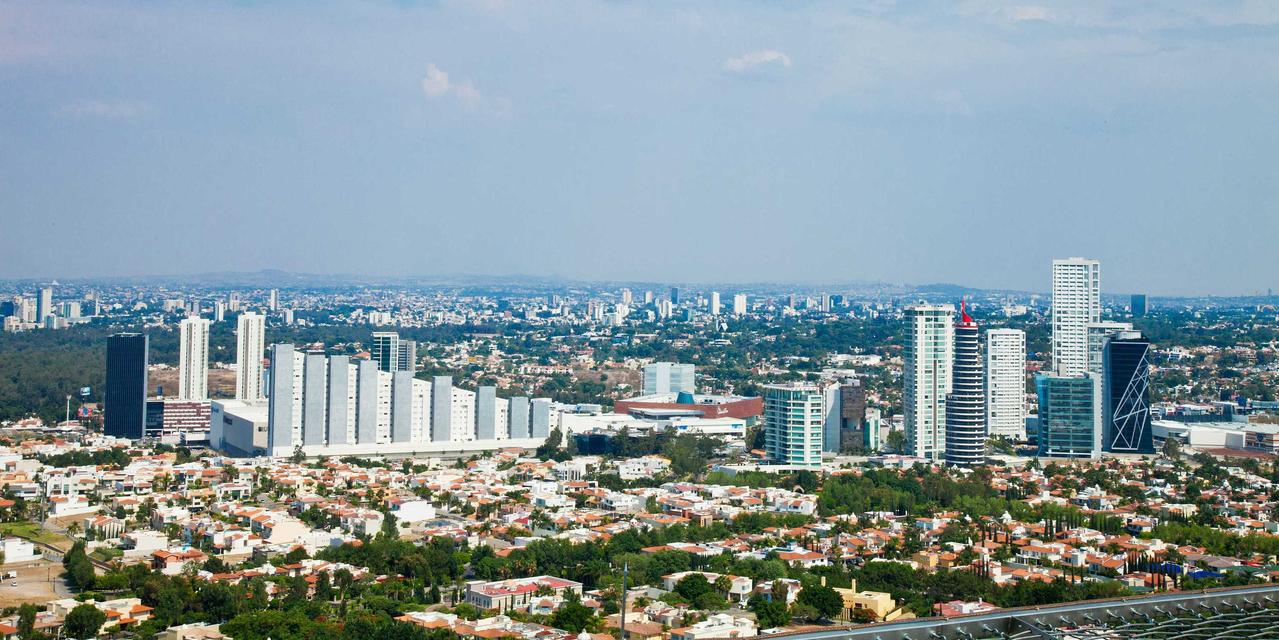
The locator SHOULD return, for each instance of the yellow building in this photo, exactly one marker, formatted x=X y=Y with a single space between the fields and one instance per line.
x=878 y=603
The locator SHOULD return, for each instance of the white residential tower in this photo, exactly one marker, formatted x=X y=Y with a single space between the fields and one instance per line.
x=193 y=359
x=926 y=377
x=250 y=341
x=794 y=415
x=1006 y=383
x=1076 y=304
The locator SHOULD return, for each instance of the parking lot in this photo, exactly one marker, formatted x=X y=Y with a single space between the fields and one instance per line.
x=38 y=582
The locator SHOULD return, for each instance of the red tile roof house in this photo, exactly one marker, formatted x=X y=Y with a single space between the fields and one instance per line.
x=739 y=589
x=806 y=559
x=172 y=562
x=505 y=595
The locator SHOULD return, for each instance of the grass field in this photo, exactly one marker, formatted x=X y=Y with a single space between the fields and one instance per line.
x=106 y=555
x=32 y=531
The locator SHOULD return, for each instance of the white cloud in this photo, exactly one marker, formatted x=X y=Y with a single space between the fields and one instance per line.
x=466 y=92
x=1031 y=13
x=436 y=82
x=124 y=110
x=749 y=61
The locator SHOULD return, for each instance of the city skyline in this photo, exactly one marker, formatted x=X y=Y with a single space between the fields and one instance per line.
x=633 y=141
x=254 y=280
x=618 y=320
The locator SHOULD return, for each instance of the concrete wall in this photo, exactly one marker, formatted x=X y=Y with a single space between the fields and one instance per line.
x=441 y=409
x=338 y=398
x=314 y=386
x=281 y=411
x=486 y=413
x=517 y=418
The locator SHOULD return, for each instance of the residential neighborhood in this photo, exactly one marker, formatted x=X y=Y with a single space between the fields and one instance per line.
x=510 y=545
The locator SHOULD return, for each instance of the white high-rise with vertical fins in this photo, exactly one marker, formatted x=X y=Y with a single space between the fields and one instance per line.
x=250 y=341
x=193 y=359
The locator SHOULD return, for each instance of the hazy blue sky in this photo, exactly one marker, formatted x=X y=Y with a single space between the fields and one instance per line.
x=964 y=142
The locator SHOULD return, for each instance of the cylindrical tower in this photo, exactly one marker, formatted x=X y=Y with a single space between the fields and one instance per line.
x=966 y=403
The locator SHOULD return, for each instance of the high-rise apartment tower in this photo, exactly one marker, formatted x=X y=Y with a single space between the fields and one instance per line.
x=966 y=402
x=1076 y=304
x=926 y=377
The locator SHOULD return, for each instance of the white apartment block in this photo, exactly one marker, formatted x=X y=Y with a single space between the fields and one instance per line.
x=250 y=336
x=338 y=405
x=1076 y=304
x=193 y=359
x=1006 y=383
x=739 y=304
x=926 y=377
x=668 y=377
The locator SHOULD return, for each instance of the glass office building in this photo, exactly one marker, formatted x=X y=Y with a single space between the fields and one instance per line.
x=1138 y=305
x=1068 y=408
x=126 y=394
x=1126 y=427
x=386 y=350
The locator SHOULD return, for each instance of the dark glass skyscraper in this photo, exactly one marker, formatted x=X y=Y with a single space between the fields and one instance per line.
x=1138 y=305
x=675 y=296
x=966 y=402
x=126 y=396
x=1126 y=424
